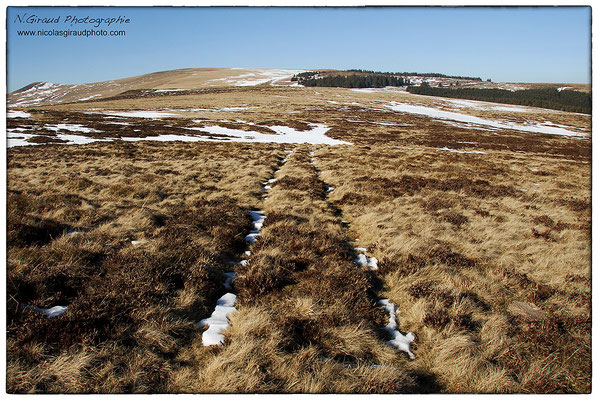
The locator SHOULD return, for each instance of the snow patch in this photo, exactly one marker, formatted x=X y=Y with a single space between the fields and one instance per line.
x=233 y=108
x=53 y=312
x=89 y=98
x=140 y=114
x=258 y=218
x=400 y=341
x=384 y=89
x=77 y=139
x=70 y=127
x=364 y=261
x=481 y=105
x=17 y=114
x=218 y=321
x=284 y=134
x=470 y=119
x=170 y=138
x=259 y=76
x=168 y=90
x=15 y=139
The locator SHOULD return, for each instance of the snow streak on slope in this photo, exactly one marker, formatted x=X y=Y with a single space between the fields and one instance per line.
x=140 y=114
x=258 y=77
x=39 y=92
x=481 y=105
x=44 y=93
x=17 y=114
x=470 y=119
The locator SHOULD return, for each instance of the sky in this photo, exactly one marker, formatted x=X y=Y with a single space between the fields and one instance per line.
x=521 y=44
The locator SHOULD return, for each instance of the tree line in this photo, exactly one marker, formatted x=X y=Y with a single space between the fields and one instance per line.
x=361 y=78
x=427 y=74
x=564 y=100
x=354 y=81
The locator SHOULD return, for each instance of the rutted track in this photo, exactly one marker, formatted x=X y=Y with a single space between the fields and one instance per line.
x=398 y=340
x=225 y=305
x=305 y=310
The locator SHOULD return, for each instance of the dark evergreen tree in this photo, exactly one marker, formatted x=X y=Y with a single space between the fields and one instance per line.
x=564 y=100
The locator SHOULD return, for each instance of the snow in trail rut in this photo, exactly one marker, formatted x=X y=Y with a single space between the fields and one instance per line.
x=258 y=221
x=398 y=340
x=225 y=305
x=218 y=321
x=363 y=260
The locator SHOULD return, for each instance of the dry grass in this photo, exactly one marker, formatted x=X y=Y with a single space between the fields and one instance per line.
x=121 y=298
x=486 y=256
x=458 y=252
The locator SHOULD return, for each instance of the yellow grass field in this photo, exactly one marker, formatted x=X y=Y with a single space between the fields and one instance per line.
x=133 y=208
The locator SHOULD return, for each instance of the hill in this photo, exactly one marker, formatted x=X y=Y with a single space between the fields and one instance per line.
x=46 y=93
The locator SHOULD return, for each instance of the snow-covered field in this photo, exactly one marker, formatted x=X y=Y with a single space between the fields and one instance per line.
x=300 y=269
x=284 y=134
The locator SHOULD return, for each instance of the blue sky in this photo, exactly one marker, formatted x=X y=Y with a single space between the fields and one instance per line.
x=531 y=44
